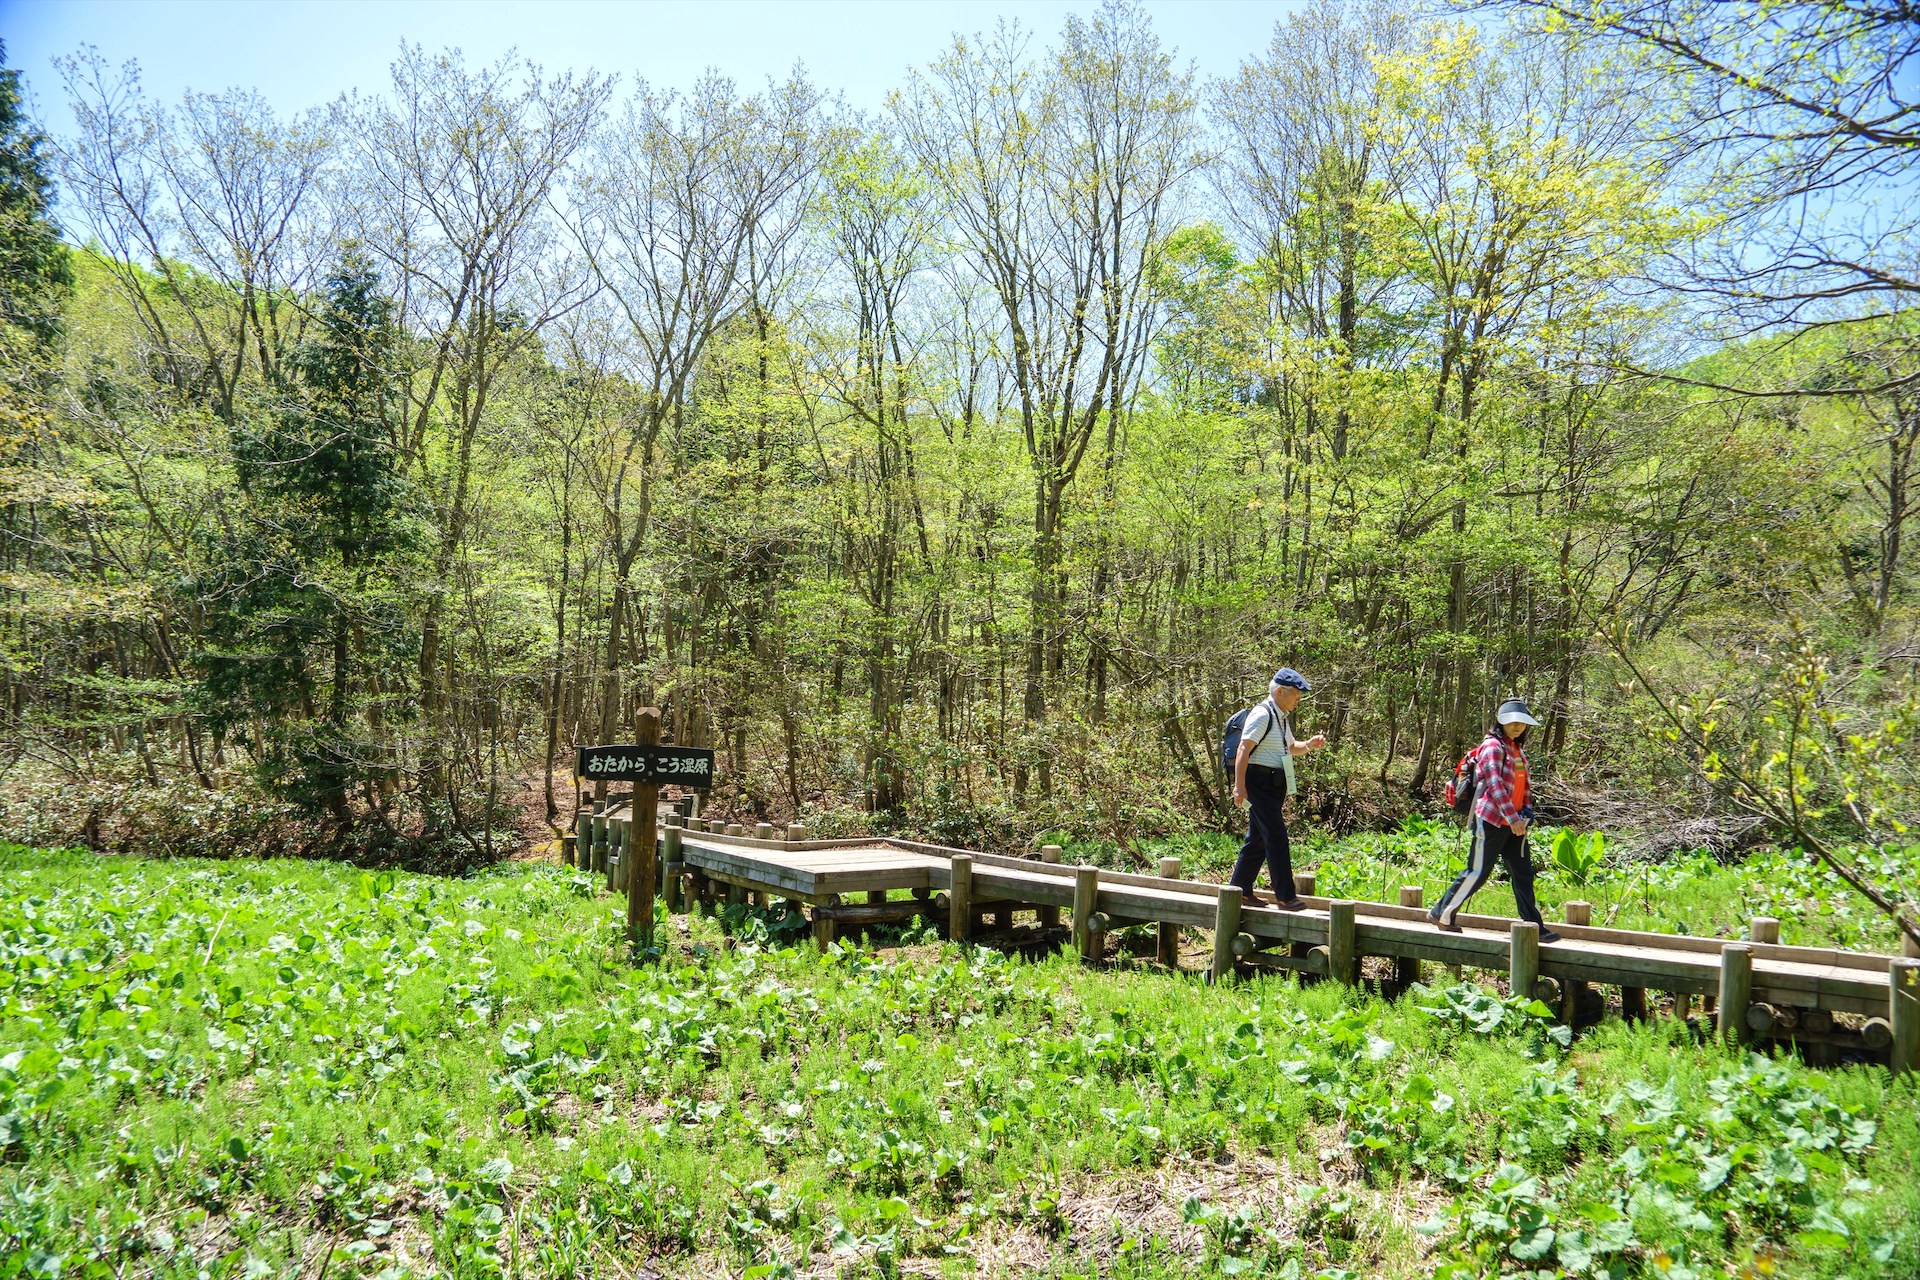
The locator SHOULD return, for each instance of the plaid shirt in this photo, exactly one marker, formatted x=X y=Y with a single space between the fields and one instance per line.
x=1494 y=762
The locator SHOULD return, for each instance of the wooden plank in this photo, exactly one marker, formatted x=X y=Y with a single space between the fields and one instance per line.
x=1314 y=960
x=881 y=912
x=784 y=879
x=1184 y=909
x=1013 y=886
x=1482 y=950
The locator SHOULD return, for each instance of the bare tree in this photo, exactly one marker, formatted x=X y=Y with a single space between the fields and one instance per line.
x=1059 y=182
x=207 y=215
x=450 y=182
x=1799 y=127
x=678 y=207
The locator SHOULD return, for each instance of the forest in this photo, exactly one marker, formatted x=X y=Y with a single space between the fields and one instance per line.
x=956 y=469
x=953 y=470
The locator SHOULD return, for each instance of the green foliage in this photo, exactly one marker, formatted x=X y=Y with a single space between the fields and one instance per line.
x=229 y=1067
x=1579 y=856
x=35 y=274
x=305 y=622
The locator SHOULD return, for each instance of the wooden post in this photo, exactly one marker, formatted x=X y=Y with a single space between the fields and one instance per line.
x=1049 y=917
x=763 y=831
x=582 y=839
x=1086 y=890
x=1303 y=885
x=1406 y=970
x=1903 y=1014
x=796 y=832
x=1573 y=992
x=1523 y=957
x=1908 y=947
x=672 y=864
x=1764 y=929
x=619 y=832
x=960 y=899
x=598 y=862
x=644 y=815
x=1167 y=938
x=1736 y=991
x=1226 y=927
x=735 y=829
x=1633 y=1003
x=1340 y=954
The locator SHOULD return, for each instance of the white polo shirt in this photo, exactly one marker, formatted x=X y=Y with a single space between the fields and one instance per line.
x=1269 y=726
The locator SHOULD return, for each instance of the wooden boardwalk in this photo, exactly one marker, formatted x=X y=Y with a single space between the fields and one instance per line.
x=1826 y=1002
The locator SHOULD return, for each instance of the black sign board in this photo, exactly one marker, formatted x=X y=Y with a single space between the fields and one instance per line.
x=678 y=766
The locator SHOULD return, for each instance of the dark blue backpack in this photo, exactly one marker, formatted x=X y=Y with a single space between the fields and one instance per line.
x=1230 y=740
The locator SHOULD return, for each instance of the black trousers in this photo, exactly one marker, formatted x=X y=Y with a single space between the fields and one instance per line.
x=1266 y=834
x=1492 y=841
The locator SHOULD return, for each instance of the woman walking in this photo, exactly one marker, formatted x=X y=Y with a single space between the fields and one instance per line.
x=1502 y=810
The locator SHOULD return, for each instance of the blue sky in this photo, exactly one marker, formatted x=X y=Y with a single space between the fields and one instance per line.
x=301 y=53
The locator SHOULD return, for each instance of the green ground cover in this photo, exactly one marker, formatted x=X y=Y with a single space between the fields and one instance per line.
x=248 y=1069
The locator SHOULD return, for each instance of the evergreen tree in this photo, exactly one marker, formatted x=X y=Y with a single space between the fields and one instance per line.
x=309 y=638
x=34 y=272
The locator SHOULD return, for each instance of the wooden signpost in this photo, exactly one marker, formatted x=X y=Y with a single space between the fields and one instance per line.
x=647 y=765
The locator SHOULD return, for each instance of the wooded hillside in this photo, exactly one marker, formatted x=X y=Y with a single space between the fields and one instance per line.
x=959 y=469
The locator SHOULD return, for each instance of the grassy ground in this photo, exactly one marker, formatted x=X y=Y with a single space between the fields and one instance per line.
x=248 y=1069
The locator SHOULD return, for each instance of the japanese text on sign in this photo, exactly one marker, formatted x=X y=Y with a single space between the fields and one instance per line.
x=682 y=766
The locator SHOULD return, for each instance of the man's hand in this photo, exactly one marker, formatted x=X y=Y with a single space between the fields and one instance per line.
x=1519 y=828
x=1316 y=742
x=1239 y=793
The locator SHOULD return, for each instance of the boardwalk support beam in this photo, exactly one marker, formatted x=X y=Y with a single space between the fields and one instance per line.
x=1736 y=991
x=1903 y=1007
x=1406 y=969
x=1167 y=938
x=1340 y=953
x=1049 y=917
x=1523 y=957
x=1226 y=927
x=1086 y=890
x=960 y=899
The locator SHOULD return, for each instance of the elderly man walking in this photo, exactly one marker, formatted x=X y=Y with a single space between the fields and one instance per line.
x=1262 y=780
